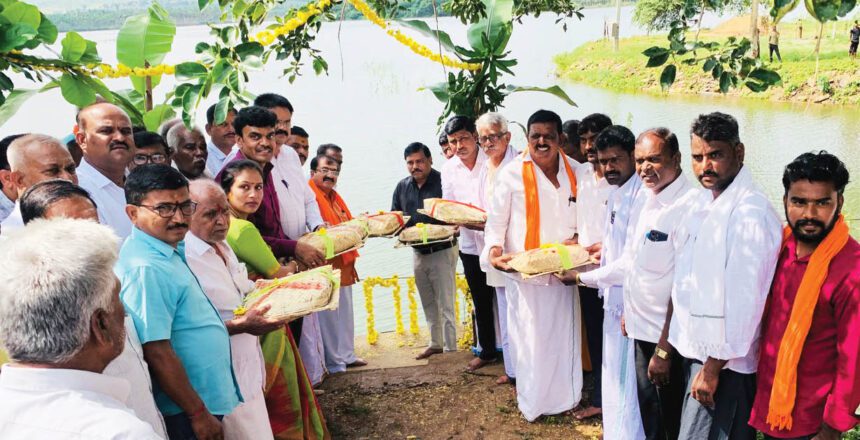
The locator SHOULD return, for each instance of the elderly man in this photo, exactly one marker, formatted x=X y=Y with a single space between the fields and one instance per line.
x=105 y=135
x=615 y=146
x=184 y=339
x=222 y=139
x=338 y=326
x=226 y=282
x=460 y=182
x=8 y=193
x=549 y=365
x=63 y=199
x=54 y=387
x=809 y=370
x=298 y=139
x=32 y=159
x=149 y=147
x=726 y=254
x=434 y=265
x=495 y=141
x=189 y=151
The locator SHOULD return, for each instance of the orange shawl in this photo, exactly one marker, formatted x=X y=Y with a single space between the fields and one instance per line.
x=784 y=391
x=533 y=201
x=344 y=262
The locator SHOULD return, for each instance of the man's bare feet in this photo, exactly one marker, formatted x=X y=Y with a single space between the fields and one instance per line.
x=359 y=362
x=427 y=353
x=478 y=363
x=585 y=413
x=503 y=380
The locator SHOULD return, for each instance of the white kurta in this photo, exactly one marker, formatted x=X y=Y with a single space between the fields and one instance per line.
x=621 y=418
x=548 y=355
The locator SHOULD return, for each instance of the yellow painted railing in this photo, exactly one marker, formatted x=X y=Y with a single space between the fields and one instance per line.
x=394 y=283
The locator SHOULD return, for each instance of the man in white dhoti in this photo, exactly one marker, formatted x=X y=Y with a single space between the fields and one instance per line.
x=727 y=249
x=621 y=418
x=494 y=138
x=534 y=203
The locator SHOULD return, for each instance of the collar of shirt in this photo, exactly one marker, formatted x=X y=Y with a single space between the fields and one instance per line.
x=670 y=193
x=58 y=379
x=163 y=248
x=90 y=172
x=266 y=169
x=215 y=151
x=434 y=178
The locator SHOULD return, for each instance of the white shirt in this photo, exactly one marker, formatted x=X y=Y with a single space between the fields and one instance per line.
x=752 y=241
x=591 y=198
x=109 y=198
x=13 y=221
x=495 y=277
x=650 y=262
x=215 y=159
x=226 y=284
x=44 y=403
x=461 y=184
x=6 y=206
x=300 y=212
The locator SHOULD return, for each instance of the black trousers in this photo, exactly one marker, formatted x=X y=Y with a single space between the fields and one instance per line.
x=660 y=407
x=774 y=48
x=592 y=316
x=732 y=407
x=482 y=298
x=296 y=330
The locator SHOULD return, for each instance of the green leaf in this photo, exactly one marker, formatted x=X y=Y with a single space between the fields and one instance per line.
x=203 y=3
x=319 y=65
x=756 y=86
x=47 y=30
x=23 y=13
x=424 y=28
x=5 y=82
x=667 y=78
x=190 y=70
x=709 y=65
x=223 y=106
x=657 y=60
x=823 y=10
x=155 y=117
x=439 y=90
x=133 y=97
x=556 y=91
x=766 y=76
x=725 y=82
x=74 y=46
x=145 y=38
x=845 y=7
x=13 y=103
x=91 y=54
x=491 y=34
x=15 y=36
x=249 y=49
x=654 y=51
x=76 y=91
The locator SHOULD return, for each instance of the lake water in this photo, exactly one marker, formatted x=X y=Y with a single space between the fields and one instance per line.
x=370 y=105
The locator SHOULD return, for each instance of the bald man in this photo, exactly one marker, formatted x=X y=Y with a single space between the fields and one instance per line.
x=105 y=136
x=189 y=151
x=32 y=159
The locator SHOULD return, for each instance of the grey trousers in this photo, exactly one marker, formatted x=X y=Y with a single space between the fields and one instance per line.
x=434 y=278
x=729 y=418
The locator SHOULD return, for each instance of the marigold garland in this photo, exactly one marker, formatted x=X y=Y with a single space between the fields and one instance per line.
x=372 y=335
x=416 y=47
x=411 y=288
x=304 y=14
x=465 y=341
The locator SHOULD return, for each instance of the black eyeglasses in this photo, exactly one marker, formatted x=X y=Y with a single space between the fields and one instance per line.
x=143 y=159
x=167 y=210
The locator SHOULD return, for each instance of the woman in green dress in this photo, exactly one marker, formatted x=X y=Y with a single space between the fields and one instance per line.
x=293 y=409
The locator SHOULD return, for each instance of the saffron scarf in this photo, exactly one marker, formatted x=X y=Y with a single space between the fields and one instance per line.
x=330 y=217
x=784 y=391
x=533 y=201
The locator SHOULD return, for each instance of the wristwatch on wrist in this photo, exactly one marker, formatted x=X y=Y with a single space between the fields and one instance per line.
x=660 y=353
x=578 y=279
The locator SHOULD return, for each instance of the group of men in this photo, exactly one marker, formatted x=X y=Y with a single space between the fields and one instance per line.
x=703 y=317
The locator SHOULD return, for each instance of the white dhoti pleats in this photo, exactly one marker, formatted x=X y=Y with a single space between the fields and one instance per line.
x=311 y=348
x=621 y=417
x=338 y=333
x=249 y=420
x=508 y=347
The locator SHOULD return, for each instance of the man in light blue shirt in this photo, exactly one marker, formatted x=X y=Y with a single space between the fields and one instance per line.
x=184 y=339
x=222 y=138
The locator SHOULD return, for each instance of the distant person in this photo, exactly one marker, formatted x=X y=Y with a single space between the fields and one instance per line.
x=298 y=139
x=570 y=146
x=333 y=151
x=855 y=40
x=8 y=193
x=773 y=42
x=222 y=138
x=149 y=147
x=189 y=151
x=74 y=148
x=447 y=150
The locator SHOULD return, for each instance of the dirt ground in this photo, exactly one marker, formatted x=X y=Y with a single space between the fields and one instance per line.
x=432 y=400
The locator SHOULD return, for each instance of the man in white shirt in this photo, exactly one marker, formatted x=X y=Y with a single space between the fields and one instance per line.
x=222 y=138
x=54 y=387
x=105 y=136
x=460 y=182
x=34 y=158
x=299 y=141
x=726 y=253
x=548 y=337
x=225 y=281
x=621 y=420
x=592 y=195
x=8 y=193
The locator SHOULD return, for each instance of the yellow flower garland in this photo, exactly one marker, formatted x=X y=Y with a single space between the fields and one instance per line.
x=416 y=47
x=372 y=335
x=304 y=14
x=466 y=339
x=411 y=288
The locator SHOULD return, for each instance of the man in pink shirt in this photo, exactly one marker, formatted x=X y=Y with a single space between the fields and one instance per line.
x=826 y=367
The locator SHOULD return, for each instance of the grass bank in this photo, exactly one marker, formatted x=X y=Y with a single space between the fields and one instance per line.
x=596 y=64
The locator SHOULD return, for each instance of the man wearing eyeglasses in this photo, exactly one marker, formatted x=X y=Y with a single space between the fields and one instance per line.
x=149 y=147
x=185 y=342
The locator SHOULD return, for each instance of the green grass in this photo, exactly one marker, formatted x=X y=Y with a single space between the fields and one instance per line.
x=596 y=64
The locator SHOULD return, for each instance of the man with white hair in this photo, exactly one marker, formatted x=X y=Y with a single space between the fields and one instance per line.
x=61 y=321
x=32 y=159
x=189 y=151
x=225 y=282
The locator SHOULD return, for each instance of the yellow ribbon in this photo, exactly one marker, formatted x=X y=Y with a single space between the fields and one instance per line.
x=563 y=254
x=423 y=228
x=328 y=242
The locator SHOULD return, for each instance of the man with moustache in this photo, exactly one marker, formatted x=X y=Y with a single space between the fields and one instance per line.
x=298 y=140
x=726 y=253
x=338 y=326
x=434 y=265
x=593 y=194
x=184 y=339
x=34 y=158
x=189 y=151
x=149 y=147
x=460 y=182
x=534 y=203
x=105 y=135
x=222 y=139
x=447 y=151
x=615 y=146
x=808 y=377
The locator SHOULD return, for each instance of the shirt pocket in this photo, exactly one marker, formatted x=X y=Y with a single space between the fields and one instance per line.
x=656 y=256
